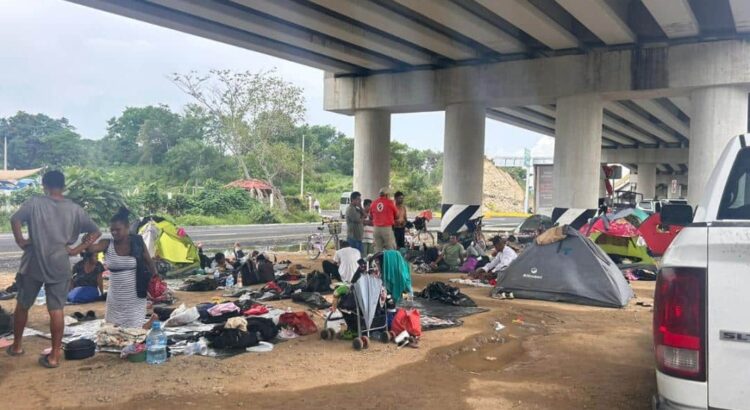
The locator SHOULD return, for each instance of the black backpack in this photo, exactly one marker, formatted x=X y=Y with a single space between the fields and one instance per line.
x=318 y=282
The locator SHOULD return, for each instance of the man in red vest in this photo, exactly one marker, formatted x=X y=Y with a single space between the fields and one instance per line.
x=383 y=212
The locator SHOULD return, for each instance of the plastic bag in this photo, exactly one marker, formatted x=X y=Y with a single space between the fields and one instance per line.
x=470 y=265
x=182 y=316
x=407 y=320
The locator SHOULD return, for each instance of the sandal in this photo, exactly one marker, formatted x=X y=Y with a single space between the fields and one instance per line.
x=78 y=315
x=9 y=351
x=90 y=315
x=44 y=362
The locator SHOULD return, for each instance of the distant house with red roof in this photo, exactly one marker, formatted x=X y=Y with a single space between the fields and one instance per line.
x=258 y=189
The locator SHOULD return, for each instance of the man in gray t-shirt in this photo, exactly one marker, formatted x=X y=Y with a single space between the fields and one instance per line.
x=54 y=224
x=355 y=217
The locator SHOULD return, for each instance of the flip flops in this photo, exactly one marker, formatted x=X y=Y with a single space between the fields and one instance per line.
x=44 y=362
x=90 y=315
x=9 y=351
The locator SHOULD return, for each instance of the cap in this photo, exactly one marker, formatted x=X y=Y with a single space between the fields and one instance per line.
x=385 y=191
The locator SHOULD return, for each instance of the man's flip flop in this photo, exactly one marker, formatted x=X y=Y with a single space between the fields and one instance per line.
x=44 y=362
x=10 y=352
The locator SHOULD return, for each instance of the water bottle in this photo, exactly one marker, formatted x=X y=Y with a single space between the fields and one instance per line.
x=41 y=297
x=230 y=282
x=216 y=274
x=156 y=344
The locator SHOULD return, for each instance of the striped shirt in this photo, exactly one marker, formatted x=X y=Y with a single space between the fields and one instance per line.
x=124 y=307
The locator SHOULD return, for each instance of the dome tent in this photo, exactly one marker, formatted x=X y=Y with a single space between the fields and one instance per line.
x=572 y=269
x=166 y=241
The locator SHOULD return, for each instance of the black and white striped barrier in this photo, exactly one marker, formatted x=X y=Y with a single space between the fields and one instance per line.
x=456 y=216
x=574 y=217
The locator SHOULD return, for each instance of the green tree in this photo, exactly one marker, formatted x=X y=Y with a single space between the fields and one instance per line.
x=143 y=135
x=250 y=115
x=194 y=161
x=36 y=140
x=95 y=191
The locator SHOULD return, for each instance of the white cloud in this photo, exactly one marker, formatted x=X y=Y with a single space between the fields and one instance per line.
x=544 y=148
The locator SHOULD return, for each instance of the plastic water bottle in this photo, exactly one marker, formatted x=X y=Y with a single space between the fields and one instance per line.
x=230 y=282
x=41 y=297
x=156 y=345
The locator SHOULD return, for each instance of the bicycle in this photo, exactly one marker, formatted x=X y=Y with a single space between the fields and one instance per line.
x=419 y=235
x=315 y=242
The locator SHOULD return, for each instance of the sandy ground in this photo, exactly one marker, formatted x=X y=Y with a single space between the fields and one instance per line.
x=562 y=357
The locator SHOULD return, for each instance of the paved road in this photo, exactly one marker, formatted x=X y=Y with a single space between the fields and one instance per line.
x=250 y=236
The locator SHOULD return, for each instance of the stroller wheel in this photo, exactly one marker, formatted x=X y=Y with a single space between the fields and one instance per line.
x=324 y=334
x=357 y=344
x=365 y=342
x=385 y=337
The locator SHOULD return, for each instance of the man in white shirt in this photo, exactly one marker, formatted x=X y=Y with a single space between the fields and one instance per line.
x=504 y=255
x=344 y=262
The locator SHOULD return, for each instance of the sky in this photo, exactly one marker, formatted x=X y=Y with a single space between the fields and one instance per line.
x=67 y=60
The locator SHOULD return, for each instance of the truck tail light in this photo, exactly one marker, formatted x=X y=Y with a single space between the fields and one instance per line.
x=680 y=323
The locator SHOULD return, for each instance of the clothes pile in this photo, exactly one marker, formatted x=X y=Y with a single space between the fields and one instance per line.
x=447 y=294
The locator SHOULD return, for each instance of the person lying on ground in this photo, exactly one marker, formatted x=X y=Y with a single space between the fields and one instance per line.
x=87 y=284
x=504 y=255
x=451 y=257
x=238 y=252
x=344 y=264
x=131 y=268
x=220 y=263
x=205 y=260
x=54 y=224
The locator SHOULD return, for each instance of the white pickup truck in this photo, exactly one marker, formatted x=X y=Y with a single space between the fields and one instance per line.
x=702 y=298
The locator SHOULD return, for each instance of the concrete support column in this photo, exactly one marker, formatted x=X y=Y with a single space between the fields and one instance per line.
x=372 y=155
x=578 y=151
x=463 y=170
x=647 y=180
x=718 y=114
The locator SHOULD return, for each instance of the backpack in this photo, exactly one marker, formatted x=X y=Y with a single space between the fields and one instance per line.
x=318 y=282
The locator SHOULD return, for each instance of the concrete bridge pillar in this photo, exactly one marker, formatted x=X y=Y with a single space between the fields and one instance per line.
x=647 y=180
x=578 y=151
x=372 y=155
x=463 y=170
x=718 y=114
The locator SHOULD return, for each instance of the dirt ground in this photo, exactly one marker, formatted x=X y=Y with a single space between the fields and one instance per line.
x=562 y=357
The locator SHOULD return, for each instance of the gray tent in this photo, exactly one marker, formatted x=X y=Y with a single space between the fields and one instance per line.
x=572 y=270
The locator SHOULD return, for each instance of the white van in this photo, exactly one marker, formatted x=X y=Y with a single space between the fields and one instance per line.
x=346 y=199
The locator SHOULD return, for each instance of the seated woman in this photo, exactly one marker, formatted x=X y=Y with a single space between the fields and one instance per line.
x=87 y=284
x=131 y=268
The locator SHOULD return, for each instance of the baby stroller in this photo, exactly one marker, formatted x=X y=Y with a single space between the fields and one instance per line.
x=363 y=308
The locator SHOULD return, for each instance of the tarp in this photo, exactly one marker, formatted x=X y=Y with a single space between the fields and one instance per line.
x=633 y=215
x=16 y=174
x=621 y=228
x=572 y=270
x=164 y=240
x=657 y=239
x=534 y=222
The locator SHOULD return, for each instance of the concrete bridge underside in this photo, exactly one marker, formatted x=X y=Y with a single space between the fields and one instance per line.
x=659 y=85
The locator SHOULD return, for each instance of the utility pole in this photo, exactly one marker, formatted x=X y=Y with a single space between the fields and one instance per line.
x=527 y=167
x=5 y=153
x=302 y=173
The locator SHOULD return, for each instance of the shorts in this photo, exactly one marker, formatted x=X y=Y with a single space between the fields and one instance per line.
x=28 y=289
